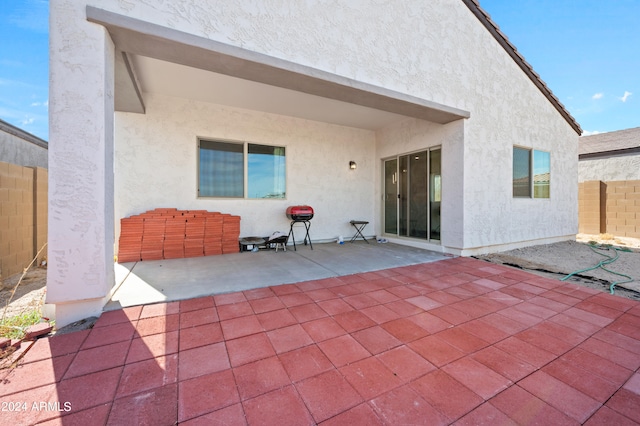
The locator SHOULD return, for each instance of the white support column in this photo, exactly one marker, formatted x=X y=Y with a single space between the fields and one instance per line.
x=453 y=189
x=81 y=113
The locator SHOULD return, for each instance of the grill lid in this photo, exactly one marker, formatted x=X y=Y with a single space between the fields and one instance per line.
x=300 y=212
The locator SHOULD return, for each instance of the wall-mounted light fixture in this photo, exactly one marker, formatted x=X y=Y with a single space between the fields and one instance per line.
x=352 y=165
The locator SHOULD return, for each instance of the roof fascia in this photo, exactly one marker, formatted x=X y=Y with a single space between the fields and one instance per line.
x=15 y=131
x=612 y=153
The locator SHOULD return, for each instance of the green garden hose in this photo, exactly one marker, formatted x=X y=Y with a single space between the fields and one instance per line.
x=601 y=264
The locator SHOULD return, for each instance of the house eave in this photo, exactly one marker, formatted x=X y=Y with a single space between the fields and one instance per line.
x=138 y=37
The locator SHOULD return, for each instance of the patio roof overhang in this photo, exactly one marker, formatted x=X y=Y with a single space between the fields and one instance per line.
x=150 y=56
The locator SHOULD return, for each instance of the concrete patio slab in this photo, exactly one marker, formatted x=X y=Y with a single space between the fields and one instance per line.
x=176 y=279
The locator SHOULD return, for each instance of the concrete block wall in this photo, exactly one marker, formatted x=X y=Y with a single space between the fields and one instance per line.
x=609 y=207
x=591 y=207
x=23 y=216
x=623 y=208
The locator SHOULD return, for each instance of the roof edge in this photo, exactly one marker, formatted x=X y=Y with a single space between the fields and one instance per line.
x=22 y=134
x=492 y=27
x=611 y=153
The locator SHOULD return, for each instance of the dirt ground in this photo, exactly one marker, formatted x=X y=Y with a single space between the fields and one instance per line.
x=30 y=294
x=560 y=259
x=552 y=260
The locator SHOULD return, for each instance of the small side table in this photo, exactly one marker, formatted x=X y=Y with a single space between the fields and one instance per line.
x=359 y=225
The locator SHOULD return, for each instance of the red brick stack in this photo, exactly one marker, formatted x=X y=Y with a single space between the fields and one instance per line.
x=130 y=239
x=194 y=235
x=230 y=233
x=174 y=237
x=213 y=234
x=153 y=229
x=170 y=233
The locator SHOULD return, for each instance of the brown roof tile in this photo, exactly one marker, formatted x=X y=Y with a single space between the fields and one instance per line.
x=619 y=141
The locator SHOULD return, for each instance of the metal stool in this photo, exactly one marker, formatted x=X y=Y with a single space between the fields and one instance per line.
x=359 y=225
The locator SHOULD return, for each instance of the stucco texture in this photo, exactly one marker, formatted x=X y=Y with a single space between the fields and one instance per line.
x=15 y=150
x=157 y=163
x=80 y=250
x=621 y=167
x=433 y=50
x=437 y=51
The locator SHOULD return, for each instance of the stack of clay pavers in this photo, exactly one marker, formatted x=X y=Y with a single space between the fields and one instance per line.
x=174 y=232
x=194 y=234
x=230 y=233
x=213 y=234
x=130 y=239
x=153 y=228
x=169 y=233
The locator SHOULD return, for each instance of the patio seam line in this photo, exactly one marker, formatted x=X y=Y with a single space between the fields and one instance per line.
x=335 y=274
x=122 y=368
x=75 y=355
x=115 y=391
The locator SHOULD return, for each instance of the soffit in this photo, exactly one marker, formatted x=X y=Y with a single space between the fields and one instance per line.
x=171 y=62
x=171 y=79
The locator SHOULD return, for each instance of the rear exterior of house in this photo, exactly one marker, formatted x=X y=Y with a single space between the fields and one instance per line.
x=247 y=108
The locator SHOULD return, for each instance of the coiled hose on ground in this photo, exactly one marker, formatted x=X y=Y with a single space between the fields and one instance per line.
x=609 y=260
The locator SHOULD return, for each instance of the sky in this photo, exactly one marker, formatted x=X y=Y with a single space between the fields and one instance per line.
x=586 y=51
x=24 y=65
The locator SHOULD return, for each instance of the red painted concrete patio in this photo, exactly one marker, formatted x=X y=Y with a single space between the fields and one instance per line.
x=456 y=341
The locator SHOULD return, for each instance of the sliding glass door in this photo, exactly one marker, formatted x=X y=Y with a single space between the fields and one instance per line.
x=412 y=193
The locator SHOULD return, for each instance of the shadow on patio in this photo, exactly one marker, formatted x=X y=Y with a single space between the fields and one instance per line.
x=454 y=341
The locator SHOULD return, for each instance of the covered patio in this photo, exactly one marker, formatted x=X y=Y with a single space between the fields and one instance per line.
x=452 y=341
